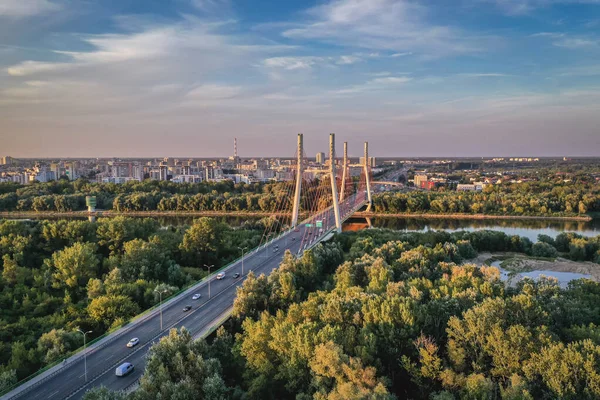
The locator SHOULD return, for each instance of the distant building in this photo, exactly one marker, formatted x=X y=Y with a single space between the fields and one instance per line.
x=372 y=161
x=320 y=158
x=164 y=172
x=427 y=185
x=474 y=187
x=418 y=179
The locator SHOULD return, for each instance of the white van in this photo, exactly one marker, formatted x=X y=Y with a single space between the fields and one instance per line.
x=124 y=369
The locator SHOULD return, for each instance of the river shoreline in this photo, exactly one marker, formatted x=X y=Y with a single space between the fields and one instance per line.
x=110 y=213
x=585 y=218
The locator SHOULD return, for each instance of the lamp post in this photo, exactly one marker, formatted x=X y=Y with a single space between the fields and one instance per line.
x=243 y=249
x=267 y=245
x=209 y=278
x=84 y=352
x=160 y=293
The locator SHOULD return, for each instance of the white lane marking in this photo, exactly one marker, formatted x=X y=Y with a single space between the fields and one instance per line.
x=52 y=394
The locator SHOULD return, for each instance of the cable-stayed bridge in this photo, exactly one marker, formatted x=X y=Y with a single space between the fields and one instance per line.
x=326 y=203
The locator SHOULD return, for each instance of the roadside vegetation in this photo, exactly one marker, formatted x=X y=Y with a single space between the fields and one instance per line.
x=57 y=276
x=387 y=315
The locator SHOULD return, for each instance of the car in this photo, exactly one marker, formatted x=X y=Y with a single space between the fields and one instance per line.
x=124 y=369
x=221 y=275
x=133 y=342
x=236 y=275
x=196 y=296
x=187 y=308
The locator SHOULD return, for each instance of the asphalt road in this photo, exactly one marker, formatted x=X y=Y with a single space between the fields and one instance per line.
x=70 y=381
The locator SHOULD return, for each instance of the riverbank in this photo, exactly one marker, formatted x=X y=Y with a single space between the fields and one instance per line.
x=260 y=214
x=473 y=216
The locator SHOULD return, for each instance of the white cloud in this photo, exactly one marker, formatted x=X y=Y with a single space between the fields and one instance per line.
x=561 y=39
x=308 y=62
x=549 y=34
x=400 y=26
x=345 y=60
x=292 y=63
x=576 y=43
x=26 y=8
x=395 y=55
x=35 y=67
x=522 y=7
x=484 y=75
x=384 y=83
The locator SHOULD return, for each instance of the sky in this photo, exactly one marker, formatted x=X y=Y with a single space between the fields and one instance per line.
x=182 y=78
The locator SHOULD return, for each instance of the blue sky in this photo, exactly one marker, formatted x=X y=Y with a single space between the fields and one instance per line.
x=414 y=78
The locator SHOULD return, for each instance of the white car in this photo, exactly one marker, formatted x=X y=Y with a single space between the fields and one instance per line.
x=133 y=342
x=221 y=275
x=196 y=296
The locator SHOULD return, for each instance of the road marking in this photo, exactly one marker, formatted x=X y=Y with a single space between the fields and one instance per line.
x=52 y=394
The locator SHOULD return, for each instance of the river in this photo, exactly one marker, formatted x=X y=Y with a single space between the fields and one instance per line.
x=522 y=227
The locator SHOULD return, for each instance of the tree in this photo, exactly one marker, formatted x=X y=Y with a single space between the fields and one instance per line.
x=10 y=270
x=56 y=343
x=202 y=241
x=7 y=380
x=103 y=393
x=112 y=309
x=176 y=368
x=74 y=266
x=542 y=249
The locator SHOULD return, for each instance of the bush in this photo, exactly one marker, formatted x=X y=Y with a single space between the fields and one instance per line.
x=543 y=249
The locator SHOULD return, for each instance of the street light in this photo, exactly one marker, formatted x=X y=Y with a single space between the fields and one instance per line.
x=243 y=249
x=84 y=352
x=209 y=278
x=267 y=245
x=160 y=293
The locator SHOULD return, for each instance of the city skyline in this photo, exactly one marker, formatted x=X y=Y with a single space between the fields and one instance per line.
x=414 y=78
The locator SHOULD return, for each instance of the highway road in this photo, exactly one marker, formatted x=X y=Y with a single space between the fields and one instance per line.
x=69 y=382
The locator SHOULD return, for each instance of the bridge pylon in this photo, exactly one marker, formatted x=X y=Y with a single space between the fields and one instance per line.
x=368 y=179
x=344 y=172
x=299 y=171
x=334 y=194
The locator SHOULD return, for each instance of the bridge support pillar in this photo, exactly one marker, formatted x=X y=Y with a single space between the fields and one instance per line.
x=344 y=171
x=368 y=179
x=299 y=171
x=334 y=194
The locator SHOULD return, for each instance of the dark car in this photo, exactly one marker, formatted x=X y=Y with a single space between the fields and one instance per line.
x=187 y=308
x=236 y=275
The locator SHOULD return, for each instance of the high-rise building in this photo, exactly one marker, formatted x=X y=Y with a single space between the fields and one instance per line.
x=164 y=172
x=372 y=161
x=320 y=158
x=419 y=178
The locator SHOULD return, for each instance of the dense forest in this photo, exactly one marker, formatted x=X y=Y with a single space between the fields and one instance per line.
x=57 y=276
x=387 y=315
x=64 y=196
x=531 y=198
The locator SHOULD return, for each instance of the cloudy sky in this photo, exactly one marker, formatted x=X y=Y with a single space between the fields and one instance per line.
x=413 y=77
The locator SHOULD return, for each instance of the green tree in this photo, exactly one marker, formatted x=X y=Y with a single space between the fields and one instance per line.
x=56 y=343
x=74 y=265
